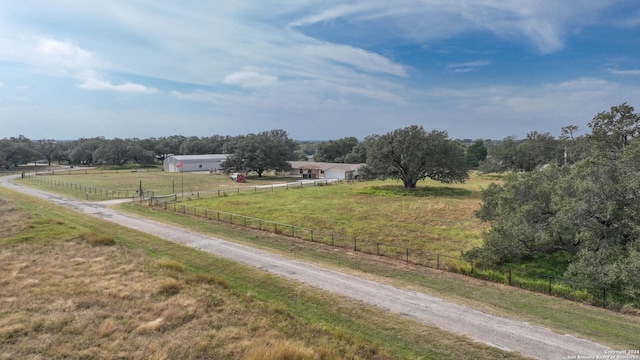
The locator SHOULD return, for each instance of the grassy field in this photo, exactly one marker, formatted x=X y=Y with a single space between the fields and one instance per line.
x=434 y=217
x=152 y=181
x=77 y=287
x=614 y=329
x=607 y=327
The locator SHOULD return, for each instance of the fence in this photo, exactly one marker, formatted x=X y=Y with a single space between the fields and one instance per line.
x=90 y=191
x=552 y=285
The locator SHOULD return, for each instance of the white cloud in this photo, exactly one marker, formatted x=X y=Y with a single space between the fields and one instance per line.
x=632 y=72
x=250 y=79
x=64 y=54
x=468 y=66
x=543 y=23
x=99 y=84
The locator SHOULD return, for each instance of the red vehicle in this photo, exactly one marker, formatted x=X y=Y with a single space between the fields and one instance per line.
x=239 y=177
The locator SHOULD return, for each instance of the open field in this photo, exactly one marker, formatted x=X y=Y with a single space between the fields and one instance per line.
x=153 y=181
x=374 y=210
x=70 y=293
x=616 y=330
x=435 y=217
x=607 y=327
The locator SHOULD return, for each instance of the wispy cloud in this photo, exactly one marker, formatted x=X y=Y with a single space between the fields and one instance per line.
x=468 y=66
x=250 y=79
x=632 y=72
x=95 y=83
x=544 y=23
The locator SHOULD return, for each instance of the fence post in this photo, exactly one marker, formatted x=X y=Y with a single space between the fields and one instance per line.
x=355 y=245
x=331 y=239
x=549 y=285
x=378 y=248
x=311 y=229
x=407 y=254
x=509 y=277
x=438 y=261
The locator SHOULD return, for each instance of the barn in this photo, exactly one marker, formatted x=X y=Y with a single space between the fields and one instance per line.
x=191 y=163
x=320 y=170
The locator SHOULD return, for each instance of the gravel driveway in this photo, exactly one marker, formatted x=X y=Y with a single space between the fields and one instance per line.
x=504 y=333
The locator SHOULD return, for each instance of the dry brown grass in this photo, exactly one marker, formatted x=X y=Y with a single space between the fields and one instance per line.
x=75 y=300
x=63 y=297
x=71 y=300
x=11 y=219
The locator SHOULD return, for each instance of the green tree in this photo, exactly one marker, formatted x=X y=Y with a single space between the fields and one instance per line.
x=519 y=211
x=47 y=149
x=83 y=149
x=476 y=153
x=336 y=151
x=501 y=156
x=536 y=150
x=412 y=154
x=17 y=150
x=590 y=211
x=114 y=152
x=268 y=150
x=614 y=129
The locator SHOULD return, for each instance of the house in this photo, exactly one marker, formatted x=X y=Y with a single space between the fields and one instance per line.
x=190 y=163
x=322 y=170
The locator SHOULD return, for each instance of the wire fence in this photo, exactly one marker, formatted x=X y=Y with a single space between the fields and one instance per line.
x=613 y=298
x=90 y=192
x=607 y=297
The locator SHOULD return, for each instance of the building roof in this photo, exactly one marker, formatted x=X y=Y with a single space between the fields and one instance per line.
x=198 y=157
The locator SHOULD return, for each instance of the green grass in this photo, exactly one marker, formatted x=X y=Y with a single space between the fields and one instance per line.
x=99 y=184
x=439 y=220
x=244 y=310
x=601 y=325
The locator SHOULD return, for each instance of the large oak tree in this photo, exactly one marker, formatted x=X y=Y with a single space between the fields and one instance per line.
x=412 y=154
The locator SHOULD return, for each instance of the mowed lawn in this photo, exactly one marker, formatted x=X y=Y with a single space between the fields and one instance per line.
x=435 y=217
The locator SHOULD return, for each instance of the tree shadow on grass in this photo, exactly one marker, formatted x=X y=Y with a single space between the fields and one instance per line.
x=426 y=191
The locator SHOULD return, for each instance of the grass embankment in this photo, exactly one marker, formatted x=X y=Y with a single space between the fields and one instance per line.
x=79 y=287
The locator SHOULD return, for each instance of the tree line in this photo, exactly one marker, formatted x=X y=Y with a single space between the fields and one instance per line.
x=577 y=206
x=265 y=151
x=575 y=198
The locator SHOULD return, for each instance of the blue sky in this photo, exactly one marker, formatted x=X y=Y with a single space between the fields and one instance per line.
x=319 y=70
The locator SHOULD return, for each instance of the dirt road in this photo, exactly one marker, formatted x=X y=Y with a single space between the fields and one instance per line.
x=504 y=333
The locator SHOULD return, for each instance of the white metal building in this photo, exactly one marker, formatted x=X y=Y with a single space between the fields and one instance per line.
x=190 y=163
x=321 y=170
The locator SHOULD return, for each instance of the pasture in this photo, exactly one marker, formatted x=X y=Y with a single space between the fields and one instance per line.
x=600 y=325
x=78 y=287
x=435 y=217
